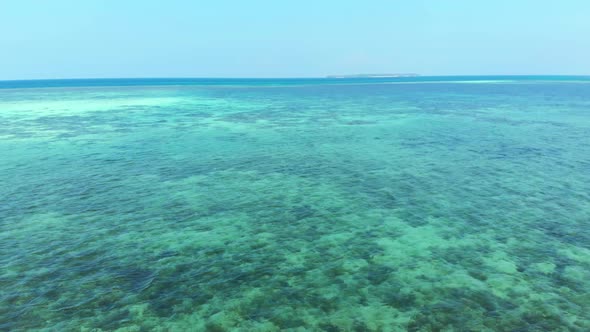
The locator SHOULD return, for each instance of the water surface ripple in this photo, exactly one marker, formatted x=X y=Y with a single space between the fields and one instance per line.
x=369 y=207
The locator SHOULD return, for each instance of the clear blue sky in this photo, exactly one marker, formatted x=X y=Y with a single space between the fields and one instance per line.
x=291 y=38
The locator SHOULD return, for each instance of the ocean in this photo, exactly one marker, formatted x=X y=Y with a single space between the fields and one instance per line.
x=389 y=204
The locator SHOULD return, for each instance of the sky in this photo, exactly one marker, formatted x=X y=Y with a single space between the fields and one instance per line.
x=291 y=38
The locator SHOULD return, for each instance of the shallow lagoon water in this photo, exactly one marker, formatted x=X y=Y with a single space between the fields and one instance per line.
x=324 y=207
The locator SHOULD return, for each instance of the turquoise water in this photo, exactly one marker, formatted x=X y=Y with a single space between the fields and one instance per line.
x=432 y=204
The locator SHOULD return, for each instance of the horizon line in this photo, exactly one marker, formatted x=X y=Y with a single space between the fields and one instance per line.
x=334 y=76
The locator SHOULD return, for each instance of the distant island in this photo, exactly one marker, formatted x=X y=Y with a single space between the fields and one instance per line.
x=372 y=75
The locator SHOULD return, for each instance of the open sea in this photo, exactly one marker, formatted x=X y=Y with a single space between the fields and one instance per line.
x=390 y=204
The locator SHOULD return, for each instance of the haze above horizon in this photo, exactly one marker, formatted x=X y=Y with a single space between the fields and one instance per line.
x=138 y=39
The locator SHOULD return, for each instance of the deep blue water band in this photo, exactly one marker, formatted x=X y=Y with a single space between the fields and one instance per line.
x=98 y=82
